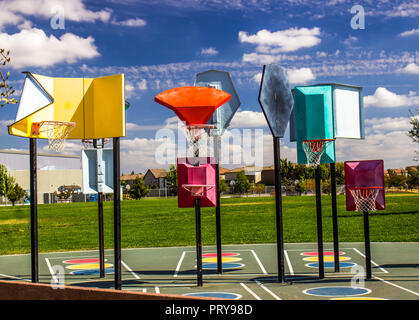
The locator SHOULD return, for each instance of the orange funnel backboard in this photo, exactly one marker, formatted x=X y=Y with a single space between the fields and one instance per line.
x=193 y=105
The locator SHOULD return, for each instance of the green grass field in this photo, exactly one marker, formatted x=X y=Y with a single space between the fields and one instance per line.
x=158 y=222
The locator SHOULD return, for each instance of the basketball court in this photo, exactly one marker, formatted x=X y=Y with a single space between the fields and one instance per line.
x=249 y=271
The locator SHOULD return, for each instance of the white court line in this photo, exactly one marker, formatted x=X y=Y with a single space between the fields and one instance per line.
x=267 y=290
x=179 y=264
x=54 y=277
x=130 y=270
x=259 y=262
x=288 y=262
x=157 y=289
x=250 y=291
x=397 y=286
x=361 y=254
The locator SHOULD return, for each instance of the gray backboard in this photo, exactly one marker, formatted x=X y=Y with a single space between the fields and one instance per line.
x=220 y=80
x=275 y=98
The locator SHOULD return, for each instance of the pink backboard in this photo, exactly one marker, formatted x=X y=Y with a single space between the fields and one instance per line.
x=364 y=173
x=204 y=174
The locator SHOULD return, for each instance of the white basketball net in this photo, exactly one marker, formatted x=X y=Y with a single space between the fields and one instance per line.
x=314 y=150
x=194 y=134
x=365 y=198
x=57 y=132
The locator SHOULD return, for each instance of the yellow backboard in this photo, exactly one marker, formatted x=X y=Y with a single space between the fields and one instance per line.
x=96 y=106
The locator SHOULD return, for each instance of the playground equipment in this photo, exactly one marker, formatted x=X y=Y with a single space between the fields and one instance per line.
x=221 y=119
x=195 y=106
x=364 y=184
x=322 y=114
x=276 y=102
x=71 y=108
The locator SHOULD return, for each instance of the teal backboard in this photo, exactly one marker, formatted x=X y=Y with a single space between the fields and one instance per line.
x=326 y=111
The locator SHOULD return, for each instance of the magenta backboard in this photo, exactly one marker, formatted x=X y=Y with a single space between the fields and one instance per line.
x=204 y=174
x=364 y=173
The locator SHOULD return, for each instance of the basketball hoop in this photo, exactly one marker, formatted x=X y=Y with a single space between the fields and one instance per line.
x=195 y=131
x=364 y=197
x=314 y=150
x=56 y=131
x=194 y=134
x=197 y=190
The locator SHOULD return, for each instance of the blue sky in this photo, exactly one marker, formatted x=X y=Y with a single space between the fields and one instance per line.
x=159 y=45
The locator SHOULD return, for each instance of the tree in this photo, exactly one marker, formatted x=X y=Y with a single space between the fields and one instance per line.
x=6 y=181
x=414 y=131
x=6 y=91
x=171 y=179
x=242 y=184
x=223 y=185
x=413 y=177
x=259 y=188
x=394 y=180
x=138 y=189
x=301 y=186
x=16 y=193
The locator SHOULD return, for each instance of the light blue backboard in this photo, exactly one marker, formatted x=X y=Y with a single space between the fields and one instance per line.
x=94 y=173
x=220 y=80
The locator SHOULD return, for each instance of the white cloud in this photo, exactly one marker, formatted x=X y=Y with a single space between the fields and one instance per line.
x=387 y=124
x=350 y=40
x=300 y=76
x=387 y=99
x=411 y=68
x=385 y=139
x=257 y=58
x=135 y=22
x=248 y=119
x=74 y=10
x=288 y=40
x=34 y=48
x=257 y=77
x=142 y=85
x=211 y=51
x=412 y=32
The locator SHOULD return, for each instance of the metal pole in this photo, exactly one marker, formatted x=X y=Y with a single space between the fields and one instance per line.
x=334 y=216
x=101 y=237
x=34 y=209
x=319 y=223
x=218 y=207
x=278 y=210
x=367 y=244
x=198 y=241
x=117 y=212
x=98 y=144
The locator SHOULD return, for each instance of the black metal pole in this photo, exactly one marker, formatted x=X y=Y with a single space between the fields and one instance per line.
x=218 y=220
x=34 y=209
x=334 y=216
x=101 y=237
x=278 y=210
x=319 y=223
x=198 y=241
x=117 y=212
x=367 y=245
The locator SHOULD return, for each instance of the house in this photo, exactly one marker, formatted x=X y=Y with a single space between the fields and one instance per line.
x=252 y=173
x=222 y=172
x=155 y=177
x=268 y=176
x=401 y=172
x=130 y=178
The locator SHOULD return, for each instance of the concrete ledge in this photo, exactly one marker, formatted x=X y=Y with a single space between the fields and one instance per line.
x=19 y=290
